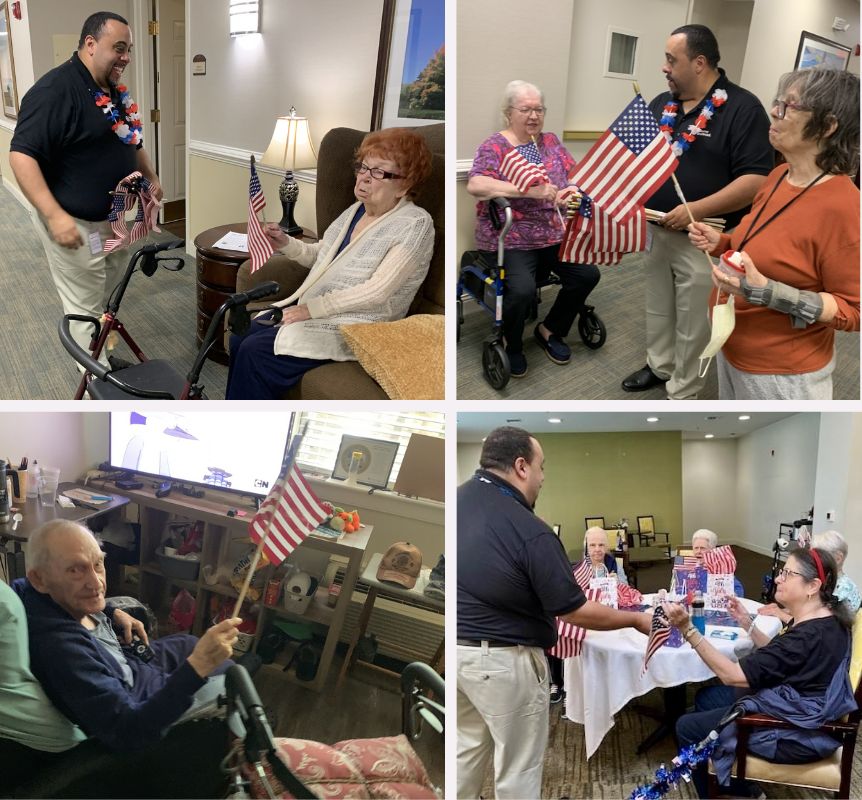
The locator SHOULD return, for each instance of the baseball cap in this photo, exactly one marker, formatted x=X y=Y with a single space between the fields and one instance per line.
x=401 y=564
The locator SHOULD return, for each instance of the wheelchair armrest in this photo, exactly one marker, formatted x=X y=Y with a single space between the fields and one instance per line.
x=287 y=273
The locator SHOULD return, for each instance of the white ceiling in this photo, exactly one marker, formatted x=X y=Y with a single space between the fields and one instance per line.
x=473 y=427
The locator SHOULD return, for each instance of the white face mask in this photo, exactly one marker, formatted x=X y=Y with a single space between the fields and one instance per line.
x=723 y=322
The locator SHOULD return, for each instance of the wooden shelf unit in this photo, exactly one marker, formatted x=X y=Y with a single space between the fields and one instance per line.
x=220 y=530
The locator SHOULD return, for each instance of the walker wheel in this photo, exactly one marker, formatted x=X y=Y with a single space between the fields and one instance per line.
x=591 y=328
x=495 y=364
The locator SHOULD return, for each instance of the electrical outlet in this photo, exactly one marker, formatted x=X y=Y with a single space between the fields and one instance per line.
x=830 y=516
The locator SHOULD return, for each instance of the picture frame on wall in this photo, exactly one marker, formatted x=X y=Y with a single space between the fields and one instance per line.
x=409 y=86
x=8 y=85
x=815 y=51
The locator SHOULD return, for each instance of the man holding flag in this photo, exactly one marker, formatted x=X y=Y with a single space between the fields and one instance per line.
x=719 y=133
x=513 y=580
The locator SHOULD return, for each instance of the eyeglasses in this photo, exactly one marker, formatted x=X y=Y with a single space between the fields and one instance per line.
x=783 y=573
x=783 y=105
x=539 y=111
x=381 y=174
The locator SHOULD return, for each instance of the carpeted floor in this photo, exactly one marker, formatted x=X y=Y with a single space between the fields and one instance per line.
x=596 y=374
x=616 y=768
x=159 y=312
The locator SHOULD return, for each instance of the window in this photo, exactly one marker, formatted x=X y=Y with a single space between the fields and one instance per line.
x=621 y=54
x=319 y=448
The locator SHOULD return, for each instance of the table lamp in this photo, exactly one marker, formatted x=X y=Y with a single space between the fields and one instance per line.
x=290 y=148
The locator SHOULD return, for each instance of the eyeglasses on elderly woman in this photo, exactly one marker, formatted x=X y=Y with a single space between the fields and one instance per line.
x=781 y=107
x=784 y=574
x=360 y=168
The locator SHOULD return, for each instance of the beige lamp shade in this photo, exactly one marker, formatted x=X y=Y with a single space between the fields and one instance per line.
x=291 y=147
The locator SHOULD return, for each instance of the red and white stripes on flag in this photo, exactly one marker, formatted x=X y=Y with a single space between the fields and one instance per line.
x=720 y=561
x=658 y=635
x=259 y=246
x=133 y=189
x=570 y=637
x=290 y=512
x=627 y=164
x=520 y=172
x=598 y=239
x=582 y=572
x=689 y=562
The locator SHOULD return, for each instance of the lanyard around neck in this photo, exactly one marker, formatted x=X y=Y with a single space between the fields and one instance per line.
x=752 y=233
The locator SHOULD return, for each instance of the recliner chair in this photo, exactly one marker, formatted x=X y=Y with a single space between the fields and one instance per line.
x=335 y=181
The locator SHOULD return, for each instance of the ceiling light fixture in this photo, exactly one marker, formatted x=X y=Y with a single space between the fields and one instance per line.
x=709 y=436
x=554 y=420
x=744 y=417
x=652 y=419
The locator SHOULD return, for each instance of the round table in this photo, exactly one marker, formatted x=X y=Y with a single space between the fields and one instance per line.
x=607 y=673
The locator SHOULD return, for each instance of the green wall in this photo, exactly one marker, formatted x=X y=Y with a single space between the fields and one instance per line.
x=612 y=475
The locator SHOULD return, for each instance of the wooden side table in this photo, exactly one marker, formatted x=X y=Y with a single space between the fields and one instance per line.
x=216 y=279
x=392 y=591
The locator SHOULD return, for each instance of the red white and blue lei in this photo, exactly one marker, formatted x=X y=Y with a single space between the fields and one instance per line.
x=125 y=122
x=685 y=138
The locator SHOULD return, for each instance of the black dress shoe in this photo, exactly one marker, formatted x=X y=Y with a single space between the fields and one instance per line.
x=642 y=380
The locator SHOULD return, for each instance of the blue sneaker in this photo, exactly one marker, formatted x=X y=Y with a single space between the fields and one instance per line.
x=517 y=364
x=555 y=348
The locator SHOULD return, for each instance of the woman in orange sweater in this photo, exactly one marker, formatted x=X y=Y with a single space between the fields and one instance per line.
x=799 y=248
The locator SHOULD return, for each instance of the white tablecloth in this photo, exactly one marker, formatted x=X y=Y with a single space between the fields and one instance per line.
x=607 y=674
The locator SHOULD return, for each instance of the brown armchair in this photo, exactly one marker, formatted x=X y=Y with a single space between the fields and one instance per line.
x=347 y=379
x=831 y=774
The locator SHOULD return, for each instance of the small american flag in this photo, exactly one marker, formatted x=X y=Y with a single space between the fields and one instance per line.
x=522 y=167
x=627 y=164
x=571 y=637
x=689 y=562
x=134 y=188
x=720 y=561
x=290 y=512
x=582 y=573
x=593 y=237
x=259 y=246
x=658 y=635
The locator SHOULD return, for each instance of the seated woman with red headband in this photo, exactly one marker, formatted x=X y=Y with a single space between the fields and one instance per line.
x=800 y=676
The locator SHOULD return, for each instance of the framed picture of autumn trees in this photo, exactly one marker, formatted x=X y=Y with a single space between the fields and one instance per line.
x=409 y=88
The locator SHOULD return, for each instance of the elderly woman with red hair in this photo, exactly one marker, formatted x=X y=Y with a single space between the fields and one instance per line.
x=366 y=268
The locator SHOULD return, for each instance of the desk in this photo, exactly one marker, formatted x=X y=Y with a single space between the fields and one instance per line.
x=607 y=674
x=36 y=515
x=216 y=273
x=415 y=596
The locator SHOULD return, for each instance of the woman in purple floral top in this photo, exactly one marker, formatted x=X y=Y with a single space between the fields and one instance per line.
x=538 y=214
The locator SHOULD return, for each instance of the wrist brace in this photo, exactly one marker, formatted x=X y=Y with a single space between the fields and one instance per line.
x=802 y=306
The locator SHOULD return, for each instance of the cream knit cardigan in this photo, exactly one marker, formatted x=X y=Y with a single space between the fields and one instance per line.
x=373 y=279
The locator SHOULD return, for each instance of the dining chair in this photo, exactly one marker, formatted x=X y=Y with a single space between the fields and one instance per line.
x=830 y=774
x=593 y=522
x=647 y=532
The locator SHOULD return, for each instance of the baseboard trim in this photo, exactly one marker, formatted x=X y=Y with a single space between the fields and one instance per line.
x=17 y=194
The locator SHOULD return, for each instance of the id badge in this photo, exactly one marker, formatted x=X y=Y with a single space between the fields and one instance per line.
x=648 y=238
x=95 y=243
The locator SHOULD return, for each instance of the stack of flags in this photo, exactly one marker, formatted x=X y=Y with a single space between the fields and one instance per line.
x=133 y=189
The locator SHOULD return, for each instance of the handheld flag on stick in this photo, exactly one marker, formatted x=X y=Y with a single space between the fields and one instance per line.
x=720 y=561
x=658 y=635
x=290 y=512
x=523 y=168
x=259 y=246
x=570 y=638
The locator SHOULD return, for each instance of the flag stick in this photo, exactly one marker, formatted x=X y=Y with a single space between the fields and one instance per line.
x=681 y=196
x=636 y=87
x=261 y=215
x=289 y=458
x=556 y=207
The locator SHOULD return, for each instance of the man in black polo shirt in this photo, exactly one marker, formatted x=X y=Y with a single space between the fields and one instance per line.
x=719 y=171
x=69 y=151
x=514 y=578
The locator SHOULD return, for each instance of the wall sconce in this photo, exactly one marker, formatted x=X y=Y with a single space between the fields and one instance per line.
x=290 y=148
x=244 y=17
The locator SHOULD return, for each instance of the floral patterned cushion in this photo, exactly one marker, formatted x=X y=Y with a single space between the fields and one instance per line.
x=386 y=767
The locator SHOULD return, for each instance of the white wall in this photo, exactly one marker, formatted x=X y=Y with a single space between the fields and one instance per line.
x=593 y=101
x=499 y=42
x=708 y=481
x=73 y=441
x=774 y=38
x=776 y=476
x=468 y=459
x=835 y=454
x=320 y=57
x=851 y=526
x=729 y=21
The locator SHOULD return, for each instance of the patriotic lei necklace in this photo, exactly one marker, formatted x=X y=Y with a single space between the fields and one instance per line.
x=685 y=138
x=125 y=122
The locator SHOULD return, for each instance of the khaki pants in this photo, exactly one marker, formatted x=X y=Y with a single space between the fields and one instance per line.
x=83 y=280
x=502 y=711
x=678 y=283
